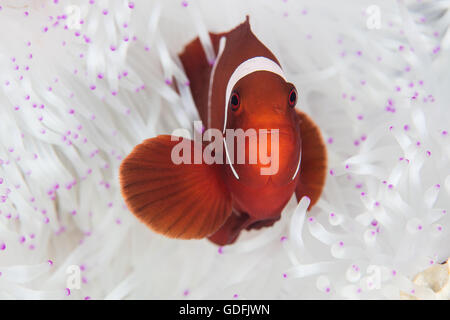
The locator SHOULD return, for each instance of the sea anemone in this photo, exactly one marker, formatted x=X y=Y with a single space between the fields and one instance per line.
x=82 y=82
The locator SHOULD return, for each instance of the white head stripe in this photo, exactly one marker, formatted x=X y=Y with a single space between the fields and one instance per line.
x=298 y=165
x=244 y=69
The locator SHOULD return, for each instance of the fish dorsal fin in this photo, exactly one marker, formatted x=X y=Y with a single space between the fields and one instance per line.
x=240 y=45
x=243 y=49
x=187 y=201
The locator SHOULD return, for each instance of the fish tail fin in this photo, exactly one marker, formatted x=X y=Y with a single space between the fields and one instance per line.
x=313 y=165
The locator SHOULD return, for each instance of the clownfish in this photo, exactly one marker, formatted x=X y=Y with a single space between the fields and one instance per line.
x=245 y=88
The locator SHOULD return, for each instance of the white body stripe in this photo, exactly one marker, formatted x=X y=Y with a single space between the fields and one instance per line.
x=244 y=69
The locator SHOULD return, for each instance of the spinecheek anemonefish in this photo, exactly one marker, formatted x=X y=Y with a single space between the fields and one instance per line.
x=244 y=89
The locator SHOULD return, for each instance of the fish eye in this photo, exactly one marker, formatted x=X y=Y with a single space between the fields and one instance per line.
x=292 y=98
x=235 y=101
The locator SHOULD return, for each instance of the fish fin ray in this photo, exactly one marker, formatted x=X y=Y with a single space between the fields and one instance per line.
x=162 y=204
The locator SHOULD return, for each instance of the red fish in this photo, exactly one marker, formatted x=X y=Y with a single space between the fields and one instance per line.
x=244 y=89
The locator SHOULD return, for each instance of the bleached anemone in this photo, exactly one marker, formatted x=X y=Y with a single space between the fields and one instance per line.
x=82 y=82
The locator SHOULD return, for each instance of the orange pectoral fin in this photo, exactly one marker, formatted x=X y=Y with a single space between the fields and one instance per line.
x=313 y=165
x=187 y=201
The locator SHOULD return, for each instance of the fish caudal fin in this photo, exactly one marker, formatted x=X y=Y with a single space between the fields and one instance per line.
x=186 y=201
x=313 y=165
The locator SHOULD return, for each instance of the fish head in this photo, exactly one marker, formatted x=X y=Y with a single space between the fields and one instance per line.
x=262 y=133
